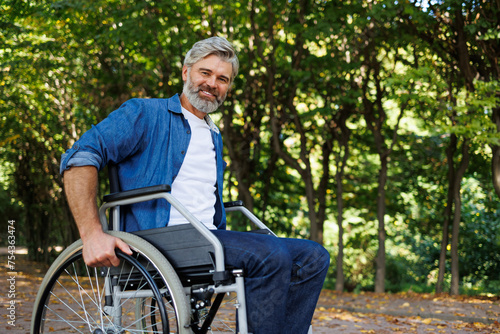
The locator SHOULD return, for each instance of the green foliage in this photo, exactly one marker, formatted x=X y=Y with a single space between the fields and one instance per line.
x=310 y=72
x=481 y=223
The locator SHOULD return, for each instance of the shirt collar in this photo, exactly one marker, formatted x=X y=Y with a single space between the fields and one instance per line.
x=211 y=124
x=174 y=104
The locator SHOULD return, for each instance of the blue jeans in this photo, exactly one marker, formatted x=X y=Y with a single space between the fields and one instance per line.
x=283 y=279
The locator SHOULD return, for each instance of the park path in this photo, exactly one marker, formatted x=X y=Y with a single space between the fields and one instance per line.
x=344 y=313
x=405 y=313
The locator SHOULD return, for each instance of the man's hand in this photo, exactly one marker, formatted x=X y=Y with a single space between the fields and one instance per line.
x=80 y=184
x=99 y=249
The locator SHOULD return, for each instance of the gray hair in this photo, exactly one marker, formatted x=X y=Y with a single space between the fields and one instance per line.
x=218 y=46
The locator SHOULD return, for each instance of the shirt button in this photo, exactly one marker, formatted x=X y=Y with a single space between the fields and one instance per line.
x=188 y=132
x=182 y=152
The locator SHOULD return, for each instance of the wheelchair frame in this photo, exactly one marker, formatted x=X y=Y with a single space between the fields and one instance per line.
x=220 y=275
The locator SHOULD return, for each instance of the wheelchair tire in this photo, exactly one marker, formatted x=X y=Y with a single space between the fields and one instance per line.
x=71 y=298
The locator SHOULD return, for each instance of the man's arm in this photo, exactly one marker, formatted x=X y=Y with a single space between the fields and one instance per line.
x=80 y=185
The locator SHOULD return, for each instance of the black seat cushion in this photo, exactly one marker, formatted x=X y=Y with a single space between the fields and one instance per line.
x=185 y=248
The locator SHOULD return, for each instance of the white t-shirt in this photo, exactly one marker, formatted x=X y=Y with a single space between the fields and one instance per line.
x=194 y=186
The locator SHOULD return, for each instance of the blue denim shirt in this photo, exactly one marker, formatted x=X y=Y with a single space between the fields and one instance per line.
x=147 y=139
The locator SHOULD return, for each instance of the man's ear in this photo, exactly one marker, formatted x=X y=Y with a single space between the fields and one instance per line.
x=184 y=73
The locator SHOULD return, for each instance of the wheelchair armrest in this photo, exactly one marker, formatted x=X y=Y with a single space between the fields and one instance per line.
x=233 y=204
x=136 y=192
x=239 y=206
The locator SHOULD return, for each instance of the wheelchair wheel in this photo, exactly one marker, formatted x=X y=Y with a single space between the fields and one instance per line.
x=142 y=295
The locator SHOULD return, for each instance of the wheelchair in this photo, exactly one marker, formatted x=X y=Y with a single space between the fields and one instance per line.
x=175 y=281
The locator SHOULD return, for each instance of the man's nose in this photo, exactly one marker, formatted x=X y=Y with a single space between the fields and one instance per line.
x=211 y=81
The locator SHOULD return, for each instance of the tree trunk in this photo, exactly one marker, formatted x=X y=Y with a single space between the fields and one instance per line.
x=316 y=232
x=442 y=254
x=450 y=152
x=339 y=283
x=495 y=160
x=455 y=274
x=380 y=272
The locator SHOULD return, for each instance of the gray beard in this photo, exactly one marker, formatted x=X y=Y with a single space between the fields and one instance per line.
x=196 y=101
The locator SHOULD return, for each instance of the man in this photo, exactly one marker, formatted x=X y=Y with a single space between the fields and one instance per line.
x=173 y=141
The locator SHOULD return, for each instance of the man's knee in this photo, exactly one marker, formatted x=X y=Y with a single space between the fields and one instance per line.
x=315 y=261
x=323 y=255
x=322 y=258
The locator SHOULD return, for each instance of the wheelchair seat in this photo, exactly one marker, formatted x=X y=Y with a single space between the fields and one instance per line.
x=186 y=249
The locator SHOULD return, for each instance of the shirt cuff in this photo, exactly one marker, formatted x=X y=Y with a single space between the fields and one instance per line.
x=77 y=159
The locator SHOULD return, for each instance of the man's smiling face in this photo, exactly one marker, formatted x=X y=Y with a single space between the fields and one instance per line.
x=206 y=85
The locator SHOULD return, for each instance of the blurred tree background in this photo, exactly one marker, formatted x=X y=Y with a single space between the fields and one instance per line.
x=369 y=126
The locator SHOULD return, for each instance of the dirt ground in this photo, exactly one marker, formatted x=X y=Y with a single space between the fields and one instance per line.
x=345 y=313
x=405 y=313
